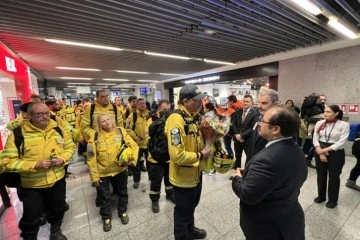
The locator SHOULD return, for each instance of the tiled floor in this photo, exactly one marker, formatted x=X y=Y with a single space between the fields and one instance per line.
x=218 y=212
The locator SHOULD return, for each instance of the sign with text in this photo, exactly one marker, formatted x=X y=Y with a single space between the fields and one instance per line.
x=353 y=109
x=343 y=107
x=202 y=80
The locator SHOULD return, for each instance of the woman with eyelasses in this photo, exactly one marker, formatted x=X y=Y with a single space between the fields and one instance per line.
x=330 y=135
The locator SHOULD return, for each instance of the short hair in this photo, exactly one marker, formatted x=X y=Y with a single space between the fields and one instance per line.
x=35 y=96
x=337 y=109
x=86 y=100
x=274 y=96
x=99 y=91
x=30 y=108
x=139 y=99
x=117 y=98
x=292 y=102
x=50 y=102
x=210 y=106
x=78 y=102
x=287 y=119
x=232 y=98
x=162 y=101
x=249 y=96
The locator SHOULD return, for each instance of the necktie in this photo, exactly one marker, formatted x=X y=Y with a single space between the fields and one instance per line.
x=244 y=115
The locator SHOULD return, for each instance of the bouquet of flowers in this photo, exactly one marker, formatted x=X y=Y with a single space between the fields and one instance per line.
x=213 y=128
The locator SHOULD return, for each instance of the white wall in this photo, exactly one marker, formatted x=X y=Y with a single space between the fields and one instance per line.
x=335 y=73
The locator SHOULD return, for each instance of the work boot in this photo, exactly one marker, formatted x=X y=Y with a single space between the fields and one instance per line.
x=171 y=197
x=155 y=206
x=309 y=164
x=136 y=185
x=352 y=184
x=124 y=218
x=67 y=207
x=107 y=225
x=55 y=231
x=198 y=233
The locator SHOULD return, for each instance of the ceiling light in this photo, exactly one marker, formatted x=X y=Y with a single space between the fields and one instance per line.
x=147 y=80
x=115 y=79
x=106 y=84
x=77 y=78
x=218 y=62
x=79 y=84
x=171 y=74
x=342 y=28
x=210 y=31
x=166 y=55
x=308 y=6
x=80 y=69
x=82 y=44
x=120 y=71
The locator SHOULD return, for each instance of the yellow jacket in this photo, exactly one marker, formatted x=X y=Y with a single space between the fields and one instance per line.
x=184 y=150
x=38 y=144
x=103 y=161
x=88 y=130
x=140 y=134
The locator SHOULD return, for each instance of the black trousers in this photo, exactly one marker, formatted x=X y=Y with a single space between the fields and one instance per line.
x=239 y=147
x=137 y=168
x=119 y=184
x=157 y=172
x=333 y=167
x=227 y=144
x=186 y=200
x=36 y=201
x=355 y=172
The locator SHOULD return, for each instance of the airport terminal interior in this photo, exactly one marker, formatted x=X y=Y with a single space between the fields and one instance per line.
x=217 y=212
x=151 y=49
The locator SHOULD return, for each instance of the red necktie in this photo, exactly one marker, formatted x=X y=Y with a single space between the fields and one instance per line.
x=244 y=115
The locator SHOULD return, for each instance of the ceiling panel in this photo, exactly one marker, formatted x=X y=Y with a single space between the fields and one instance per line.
x=223 y=30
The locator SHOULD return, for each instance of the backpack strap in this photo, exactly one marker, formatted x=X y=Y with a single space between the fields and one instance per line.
x=92 y=109
x=187 y=122
x=19 y=140
x=127 y=113
x=53 y=117
x=115 y=112
x=134 y=120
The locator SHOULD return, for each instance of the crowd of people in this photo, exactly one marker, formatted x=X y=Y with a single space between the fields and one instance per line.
x=114 y=141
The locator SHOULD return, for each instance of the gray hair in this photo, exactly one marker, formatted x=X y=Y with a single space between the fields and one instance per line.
x=274 y=96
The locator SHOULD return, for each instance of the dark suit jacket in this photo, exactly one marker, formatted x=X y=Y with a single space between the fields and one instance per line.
x=269 y=190
x=244 y=127
x=256 y=142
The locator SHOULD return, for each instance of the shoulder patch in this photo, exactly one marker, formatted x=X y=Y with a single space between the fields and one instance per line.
x=175 y=136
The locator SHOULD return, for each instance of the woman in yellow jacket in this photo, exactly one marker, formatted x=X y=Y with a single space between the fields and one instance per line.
x=110 y=150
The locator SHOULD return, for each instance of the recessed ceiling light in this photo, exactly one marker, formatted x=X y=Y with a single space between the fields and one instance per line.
x=116 y=79
x=79 y=84
x=171 y=74
x=335 y=24
x=80 y=69
x=308 y=6
x=166 y=55
x=218 y=62
x=136 y=72
x=82 y=44
x=147 y=80
x=77 y=78
x=106 y=84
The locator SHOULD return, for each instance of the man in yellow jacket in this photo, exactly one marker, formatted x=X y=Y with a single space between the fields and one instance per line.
x=187 y=154
x=101 y=105
x=40 y=160
x=137 y=128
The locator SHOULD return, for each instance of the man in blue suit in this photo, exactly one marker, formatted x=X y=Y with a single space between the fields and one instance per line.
x=270 y=185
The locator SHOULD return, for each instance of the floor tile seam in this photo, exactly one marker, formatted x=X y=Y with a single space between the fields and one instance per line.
x=346 y=220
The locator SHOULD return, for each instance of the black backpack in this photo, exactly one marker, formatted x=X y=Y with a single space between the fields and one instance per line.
x=92 y=109
x=158 y=145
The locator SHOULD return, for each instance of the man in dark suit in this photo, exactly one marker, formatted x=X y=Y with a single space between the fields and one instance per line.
x=266 y=99
x=270 y=185
x=242 y=124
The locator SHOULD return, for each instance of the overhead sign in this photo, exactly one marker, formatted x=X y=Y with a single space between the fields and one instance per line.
x=342 y=107
x=202 y=80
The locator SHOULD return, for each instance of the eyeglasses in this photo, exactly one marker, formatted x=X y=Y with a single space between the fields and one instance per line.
x=262 y=121
x=41 y=114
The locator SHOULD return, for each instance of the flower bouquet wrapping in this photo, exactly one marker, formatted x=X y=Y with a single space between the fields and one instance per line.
x=213 y=128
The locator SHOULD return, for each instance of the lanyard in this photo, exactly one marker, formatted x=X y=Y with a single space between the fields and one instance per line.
x=327 y=138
